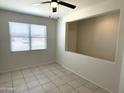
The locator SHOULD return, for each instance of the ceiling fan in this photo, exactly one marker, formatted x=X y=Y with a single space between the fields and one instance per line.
x=54 y=4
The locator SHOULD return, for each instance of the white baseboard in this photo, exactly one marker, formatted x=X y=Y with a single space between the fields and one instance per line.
x=84 y=77
x=27 y=66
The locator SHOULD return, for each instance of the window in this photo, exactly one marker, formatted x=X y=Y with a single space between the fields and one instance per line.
x=26 y=37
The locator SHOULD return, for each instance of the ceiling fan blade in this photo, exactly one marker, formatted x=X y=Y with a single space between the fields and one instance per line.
x=54 y=10
x=45 y=2
x=67 y=4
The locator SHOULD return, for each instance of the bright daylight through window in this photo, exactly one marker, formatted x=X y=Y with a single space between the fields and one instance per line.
x=26 y=37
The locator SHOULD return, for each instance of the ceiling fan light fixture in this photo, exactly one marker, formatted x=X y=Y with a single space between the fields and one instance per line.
x=54 y=4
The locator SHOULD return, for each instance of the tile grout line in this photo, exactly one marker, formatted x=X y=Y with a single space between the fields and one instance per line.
x=50 y=80
x=60 y=79
x=75 y=79
x=69 y=81
x=44 y=83
x=37 y=78
x=27 y=88
x=12 y=83
x=58 y=87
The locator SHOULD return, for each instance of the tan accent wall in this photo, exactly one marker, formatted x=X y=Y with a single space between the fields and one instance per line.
x=96 y=37
x=71 y=37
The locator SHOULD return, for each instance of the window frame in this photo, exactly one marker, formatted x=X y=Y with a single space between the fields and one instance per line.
x=30 y=41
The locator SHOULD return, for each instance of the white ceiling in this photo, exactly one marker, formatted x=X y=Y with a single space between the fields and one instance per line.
x=26 y=6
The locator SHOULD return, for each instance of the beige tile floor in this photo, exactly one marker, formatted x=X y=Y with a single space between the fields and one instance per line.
x=51 y=78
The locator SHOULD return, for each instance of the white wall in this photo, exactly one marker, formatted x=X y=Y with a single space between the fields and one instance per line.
x=101 y=72
x=122 y=77
x=11 y=61
x=121 y=87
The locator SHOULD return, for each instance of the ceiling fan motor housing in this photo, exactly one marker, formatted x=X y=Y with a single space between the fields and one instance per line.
x=54 y=1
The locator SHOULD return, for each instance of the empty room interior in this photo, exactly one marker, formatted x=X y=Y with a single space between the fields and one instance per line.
x=61 y=46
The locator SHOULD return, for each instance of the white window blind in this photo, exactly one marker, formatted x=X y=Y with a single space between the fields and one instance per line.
x=26 y=37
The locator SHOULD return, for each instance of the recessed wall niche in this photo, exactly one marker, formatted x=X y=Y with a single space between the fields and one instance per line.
x=95 y=36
